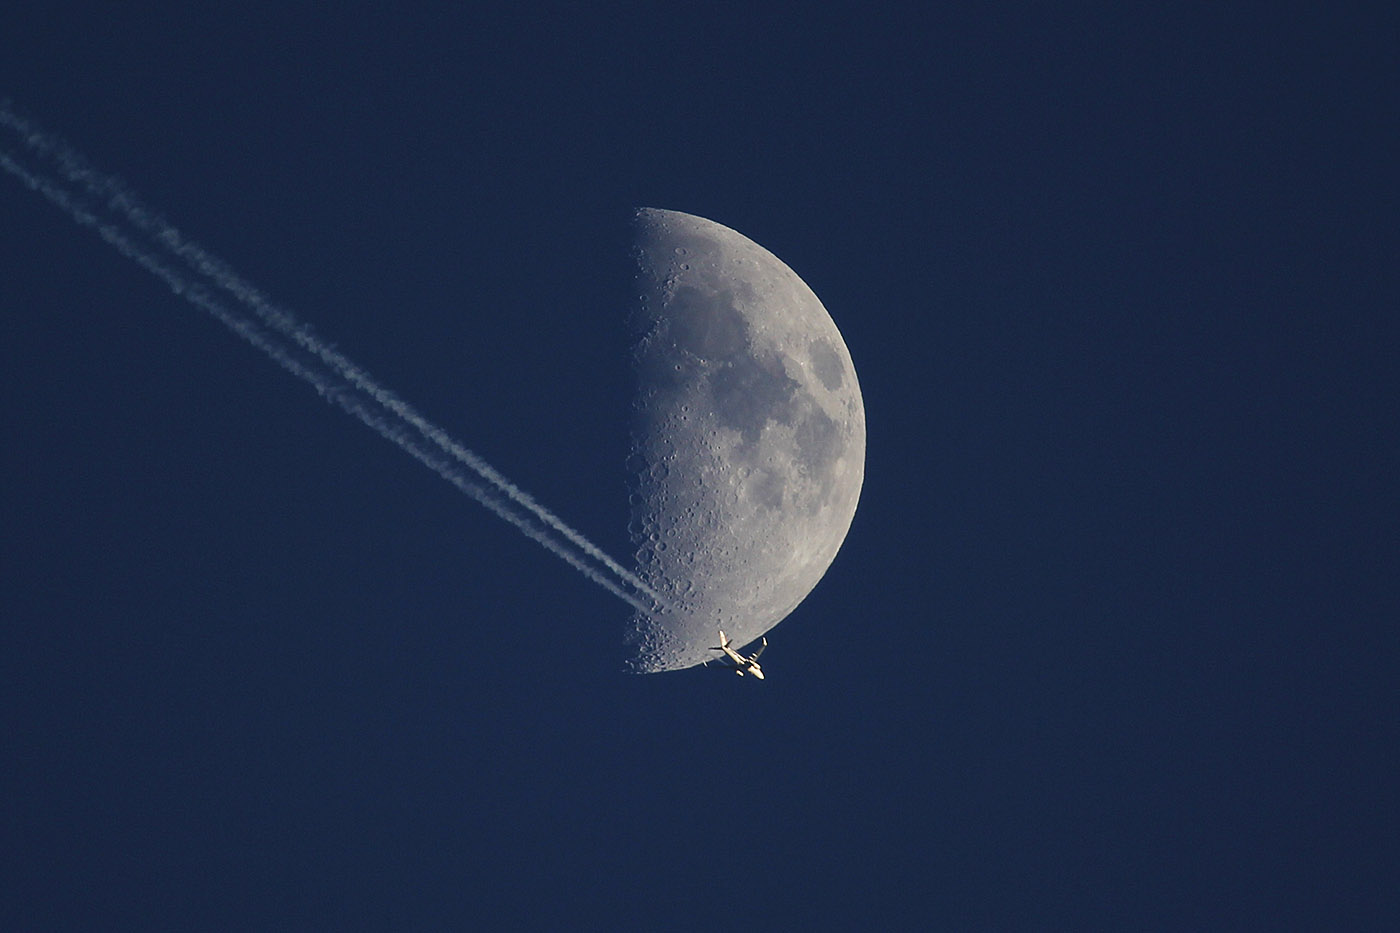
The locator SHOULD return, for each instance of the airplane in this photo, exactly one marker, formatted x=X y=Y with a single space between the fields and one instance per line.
x=734 y=659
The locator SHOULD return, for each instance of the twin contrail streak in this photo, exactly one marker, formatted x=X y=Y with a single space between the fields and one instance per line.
x=377 y=407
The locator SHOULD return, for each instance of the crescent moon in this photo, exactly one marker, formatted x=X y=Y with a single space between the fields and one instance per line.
x=748 y=438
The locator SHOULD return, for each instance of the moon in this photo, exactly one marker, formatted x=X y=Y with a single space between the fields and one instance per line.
x=748 y=439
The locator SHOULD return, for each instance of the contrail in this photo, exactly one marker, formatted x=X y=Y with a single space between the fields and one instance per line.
x=130 y=209
x=121 y=200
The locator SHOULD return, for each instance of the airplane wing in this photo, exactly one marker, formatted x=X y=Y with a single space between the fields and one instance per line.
x=754 y=656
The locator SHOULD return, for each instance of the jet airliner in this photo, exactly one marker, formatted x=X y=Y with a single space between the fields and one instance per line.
x=737 y=661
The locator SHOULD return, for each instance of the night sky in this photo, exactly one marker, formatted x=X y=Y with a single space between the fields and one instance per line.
x=1112 y=642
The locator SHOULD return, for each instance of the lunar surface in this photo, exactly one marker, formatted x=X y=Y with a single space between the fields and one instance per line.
x=748 y=439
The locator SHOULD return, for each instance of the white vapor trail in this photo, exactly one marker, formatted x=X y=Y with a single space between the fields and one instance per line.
x=378 y=408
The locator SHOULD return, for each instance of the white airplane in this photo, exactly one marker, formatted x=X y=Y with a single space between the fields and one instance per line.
x=734 y=659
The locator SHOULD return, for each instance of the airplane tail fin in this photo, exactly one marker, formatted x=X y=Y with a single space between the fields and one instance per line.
x=723 y=642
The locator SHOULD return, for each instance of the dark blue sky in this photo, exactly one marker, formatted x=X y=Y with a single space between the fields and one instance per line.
x=1111 y=643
